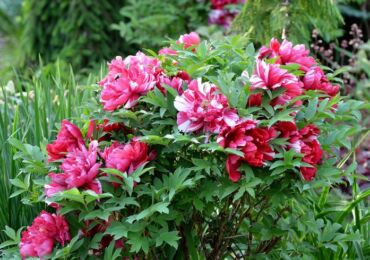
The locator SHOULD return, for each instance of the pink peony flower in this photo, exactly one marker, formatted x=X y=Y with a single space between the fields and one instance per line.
x=189 y=40
x=148 y=64
x=272 y=77
x=38 y=240
x=286 y=54
x=80 y=170
x=127 y=80
x=173 y=82
x=68 y=138
x=315 y=79
x=127 y=157
x=202 y=107
x=167 y=51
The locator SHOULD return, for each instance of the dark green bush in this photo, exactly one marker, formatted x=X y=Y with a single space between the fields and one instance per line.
x=147 y=22
x=76 y=30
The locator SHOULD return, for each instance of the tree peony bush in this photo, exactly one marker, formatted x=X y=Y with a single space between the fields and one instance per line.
x=207 y=150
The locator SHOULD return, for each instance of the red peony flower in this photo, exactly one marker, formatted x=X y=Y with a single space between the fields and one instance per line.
x=127 y=80
x=312 y=154
x=233 y=162
x=80 y=170
x=258 y=150
x=303 y=141
x=289 y=130
x=201 y=106
x=235 y=137
x=286 y=53
x=38 y=240
x=189 y=40
x=68 y=138
x=272 y=77
x=315 y=79
x=252 y=141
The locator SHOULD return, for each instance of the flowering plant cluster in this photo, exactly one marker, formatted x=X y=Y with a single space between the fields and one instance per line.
x=204 y=150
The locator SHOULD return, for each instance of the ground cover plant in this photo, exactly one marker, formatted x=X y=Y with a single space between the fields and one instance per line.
x=206 y=150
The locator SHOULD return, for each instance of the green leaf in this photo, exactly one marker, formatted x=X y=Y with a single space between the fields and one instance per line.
x=169 y=238
x=160 y=207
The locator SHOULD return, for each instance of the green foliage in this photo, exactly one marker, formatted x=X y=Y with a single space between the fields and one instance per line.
x=30 y=110
x=263 y=19
x=147 y=22
x=71 y=30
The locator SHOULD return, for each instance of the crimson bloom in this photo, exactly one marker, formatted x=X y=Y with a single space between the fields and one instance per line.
x=80 y=170
x=252 y=141
x=39 y=238
x=201 y=106
x=303 y=141
x=68 y=138
x=311 y=150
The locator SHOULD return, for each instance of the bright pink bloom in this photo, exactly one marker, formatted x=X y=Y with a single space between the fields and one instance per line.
x=80 y=170
x=127 y=157
x=201 y=106
x=68 y=138
x=173 y=82
x=167 y=51
x=38 y=240
x=286 y=53
x=272 y=77
x=127 y=80
x=315 y=79
x=189 y=40
x=146 y=63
